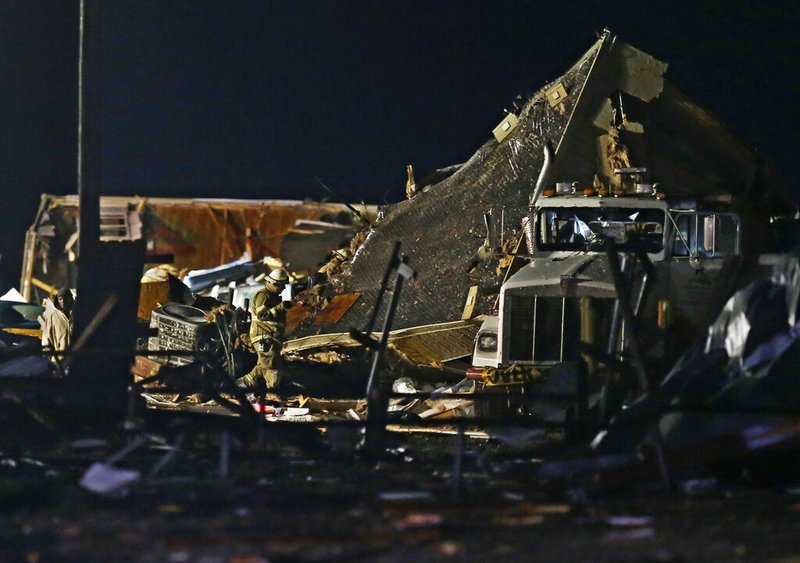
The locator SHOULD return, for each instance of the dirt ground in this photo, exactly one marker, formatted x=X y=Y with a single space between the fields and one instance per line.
x=308 y=498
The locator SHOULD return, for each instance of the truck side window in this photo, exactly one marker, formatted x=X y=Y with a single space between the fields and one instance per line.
x=713 y=235
x=720 y=234
x=684 y=237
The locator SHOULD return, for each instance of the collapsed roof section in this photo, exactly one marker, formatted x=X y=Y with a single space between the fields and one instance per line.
x=612 y=86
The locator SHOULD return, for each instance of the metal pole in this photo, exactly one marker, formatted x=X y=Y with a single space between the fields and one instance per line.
x=623 y=299
x=377 y=396
x=89 y=144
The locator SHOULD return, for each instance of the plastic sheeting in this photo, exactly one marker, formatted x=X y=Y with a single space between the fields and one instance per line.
x=764 y=310
x=746 y=368
x=748 y=357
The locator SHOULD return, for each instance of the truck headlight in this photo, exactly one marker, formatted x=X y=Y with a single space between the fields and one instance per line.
x=487 y=342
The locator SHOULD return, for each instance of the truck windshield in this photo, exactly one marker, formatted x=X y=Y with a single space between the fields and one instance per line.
x=578 y=228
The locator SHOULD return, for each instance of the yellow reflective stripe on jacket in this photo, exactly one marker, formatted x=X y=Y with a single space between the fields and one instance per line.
x=267 y=326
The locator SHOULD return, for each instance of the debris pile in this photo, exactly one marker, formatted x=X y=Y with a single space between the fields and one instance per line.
x=615 y=96
x=387 y=308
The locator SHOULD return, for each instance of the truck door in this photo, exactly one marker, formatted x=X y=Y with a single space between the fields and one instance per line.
x=700 y=242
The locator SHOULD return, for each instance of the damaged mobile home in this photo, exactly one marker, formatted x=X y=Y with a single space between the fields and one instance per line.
x=188 y=234
x=612 y=111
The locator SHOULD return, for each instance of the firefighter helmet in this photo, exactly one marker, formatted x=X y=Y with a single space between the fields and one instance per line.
x=277 y=277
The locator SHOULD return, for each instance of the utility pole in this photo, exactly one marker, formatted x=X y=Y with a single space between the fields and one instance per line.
x=104 y=324
x=89 y=147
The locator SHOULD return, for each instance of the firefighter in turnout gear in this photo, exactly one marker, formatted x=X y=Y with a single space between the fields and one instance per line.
x=267 y=332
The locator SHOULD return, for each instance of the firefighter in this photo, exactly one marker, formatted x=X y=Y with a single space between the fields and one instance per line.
x=267 y=332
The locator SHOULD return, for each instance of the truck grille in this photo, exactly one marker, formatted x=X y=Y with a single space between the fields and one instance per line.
x=548 y=329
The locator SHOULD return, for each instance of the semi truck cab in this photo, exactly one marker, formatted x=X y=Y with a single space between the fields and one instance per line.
x=566 y=293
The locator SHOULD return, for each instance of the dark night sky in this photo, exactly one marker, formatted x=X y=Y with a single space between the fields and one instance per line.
x=256 y=99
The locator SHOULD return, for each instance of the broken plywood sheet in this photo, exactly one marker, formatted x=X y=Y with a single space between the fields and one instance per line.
x=333 y=405
x=469 y=306
x=336 y=309
x=641 y=75
x=447 y=408
x=447 y=430
x=144 y=367
x=295 y=316
x=338 y=339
